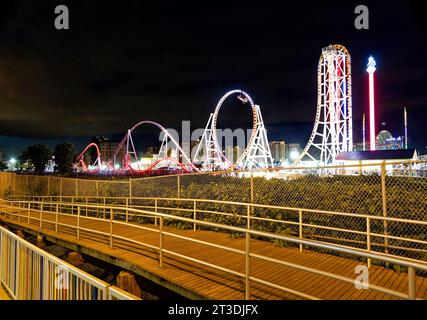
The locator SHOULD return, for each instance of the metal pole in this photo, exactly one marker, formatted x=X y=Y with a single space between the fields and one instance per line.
x=41 y=215
x=178 y=186
x=56 y=219
x=194 y=215
x=97 y=189
x=412 y=283
x=368 y=238
x=300 y=228
x=28 y=215
x=60 y=190
x=111 y=228
x=161 y=243
x=155 y=210
x=104 y=207
x=384 y=200
x=48 y=186
x=78 y=222
x=252 y=187
x=127 y=213
x=248 y=257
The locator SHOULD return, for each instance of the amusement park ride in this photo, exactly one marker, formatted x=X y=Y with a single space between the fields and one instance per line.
x=332 y=132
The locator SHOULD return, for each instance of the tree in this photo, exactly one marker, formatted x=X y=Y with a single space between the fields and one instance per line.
x=64 y=157
x=3 y=166
x=38 y=155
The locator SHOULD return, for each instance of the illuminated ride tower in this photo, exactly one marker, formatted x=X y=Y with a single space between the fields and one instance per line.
x=371 y=70
x=333 y=128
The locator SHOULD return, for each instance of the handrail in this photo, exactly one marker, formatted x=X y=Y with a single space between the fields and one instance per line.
x=129 y=202
x=51 y=270
x=255 y=205
x=120 y=211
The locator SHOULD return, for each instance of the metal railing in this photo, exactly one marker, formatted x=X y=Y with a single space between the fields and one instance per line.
x=41 y=212
x=372 y=233
x=29 y=273
x=389 y=189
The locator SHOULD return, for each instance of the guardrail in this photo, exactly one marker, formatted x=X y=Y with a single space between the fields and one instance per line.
x=115 y=215
x=29 y=273
x=370 y=232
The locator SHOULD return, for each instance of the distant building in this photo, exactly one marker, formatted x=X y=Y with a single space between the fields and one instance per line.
x=233 y=153
x=229 y=153
x=150 y=152
x=278 y=151
x=376 y=157
x=107 y=148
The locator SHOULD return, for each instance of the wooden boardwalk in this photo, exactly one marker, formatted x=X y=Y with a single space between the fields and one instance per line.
x=3 y=294
x=210 y=283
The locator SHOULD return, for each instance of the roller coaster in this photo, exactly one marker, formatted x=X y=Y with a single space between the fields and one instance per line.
x=172 y=158
x=332 y=132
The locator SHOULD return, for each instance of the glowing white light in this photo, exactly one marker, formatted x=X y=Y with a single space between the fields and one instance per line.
x=371 y=65
x=294 y=155
x=12 y=160
x=116 y=166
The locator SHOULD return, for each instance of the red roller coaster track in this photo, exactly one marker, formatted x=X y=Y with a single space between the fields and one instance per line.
x=127 y=142
x=97 y=162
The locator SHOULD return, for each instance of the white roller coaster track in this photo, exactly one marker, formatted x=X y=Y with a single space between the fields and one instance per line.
x=333 y=121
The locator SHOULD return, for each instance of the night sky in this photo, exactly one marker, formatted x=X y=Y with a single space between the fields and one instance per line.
x=168 y=61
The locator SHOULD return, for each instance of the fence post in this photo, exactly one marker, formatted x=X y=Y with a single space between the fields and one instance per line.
x=56 y=218
x=300 y=228
x=28 y=215
x=14 y=184
x=155 y=210
x=87 y=200
x=384 y=200
x=252 y=187
x=60 y=189
x=178 y=186
x=194 y=215
x=247 y=256
x=78 y=222
x=104 y=207
x=97 y=189
x=111 y=228
x=368 y=238
x=48 y=186
x=41 y=214
x=161 y=243
x=127 y=213
x=77 y=187
x=412 y=283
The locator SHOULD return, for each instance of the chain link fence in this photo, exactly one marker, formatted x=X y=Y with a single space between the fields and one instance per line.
x=397 y=191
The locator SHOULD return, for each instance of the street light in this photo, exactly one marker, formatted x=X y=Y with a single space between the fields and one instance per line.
x=12 y=162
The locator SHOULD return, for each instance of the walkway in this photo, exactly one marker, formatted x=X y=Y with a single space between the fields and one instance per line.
x=210 y=283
